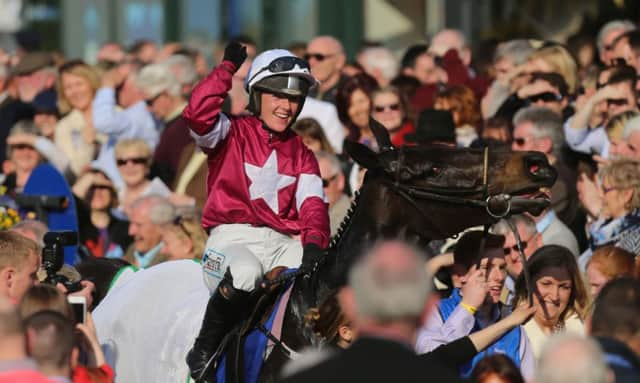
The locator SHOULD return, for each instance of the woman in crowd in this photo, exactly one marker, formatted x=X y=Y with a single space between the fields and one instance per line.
x=103 y=234
x=312 y=135
x=554 y=58
x=616 y=208
x=353 y=102
x=183 y=237
x=391 y=109
x=560 y=296
x=329 y=323
x=496 y=368
x=133 y=157
x=75 y=134
x=22 y=158
x=610 y=262
x=462 y=103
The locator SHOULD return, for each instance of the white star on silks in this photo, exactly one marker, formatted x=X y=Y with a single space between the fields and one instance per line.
x=266 y=182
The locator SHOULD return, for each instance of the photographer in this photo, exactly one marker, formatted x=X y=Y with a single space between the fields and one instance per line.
x=65 y=278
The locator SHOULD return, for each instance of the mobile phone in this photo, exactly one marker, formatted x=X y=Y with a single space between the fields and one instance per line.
x=79 y=307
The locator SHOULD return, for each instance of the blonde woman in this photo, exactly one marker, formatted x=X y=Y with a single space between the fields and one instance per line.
x=133 y=158
x=75 y=134
x=182 y=235
x=555 y=58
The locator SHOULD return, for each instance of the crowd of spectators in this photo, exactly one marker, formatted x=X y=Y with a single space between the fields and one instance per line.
x=114 y=129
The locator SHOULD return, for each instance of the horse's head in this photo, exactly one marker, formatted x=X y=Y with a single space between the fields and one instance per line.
x=436 y=191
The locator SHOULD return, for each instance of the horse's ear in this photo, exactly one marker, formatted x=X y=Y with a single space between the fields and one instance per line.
x=381 y=134
x=364 y=156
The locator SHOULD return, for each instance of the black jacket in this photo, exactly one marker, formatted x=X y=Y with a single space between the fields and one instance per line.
x=381 y=360
x=624 y=362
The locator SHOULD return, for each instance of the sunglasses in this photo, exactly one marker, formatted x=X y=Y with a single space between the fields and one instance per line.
x=327 y=181
x=520 y=141
x=382 y=108
x=317 y=56
x=616 y=101
x=544 y=97
x=282 y=64
x=508 y=250
x=22 y=147
x=150 y=101
x=134 y=160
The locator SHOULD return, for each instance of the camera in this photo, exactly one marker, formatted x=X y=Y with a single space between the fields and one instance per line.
x=53 y=257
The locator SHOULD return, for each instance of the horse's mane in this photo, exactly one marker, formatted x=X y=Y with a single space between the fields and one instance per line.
x=344 y=225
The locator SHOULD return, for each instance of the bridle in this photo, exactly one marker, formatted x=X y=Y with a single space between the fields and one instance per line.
x=489 y=202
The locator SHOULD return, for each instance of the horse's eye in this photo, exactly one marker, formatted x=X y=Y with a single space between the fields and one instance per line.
x=436 y=170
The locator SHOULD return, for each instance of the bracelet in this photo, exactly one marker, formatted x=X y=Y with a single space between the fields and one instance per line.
x=472 y=310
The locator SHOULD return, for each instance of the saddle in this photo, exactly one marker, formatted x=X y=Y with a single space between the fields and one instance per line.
x=231 y=367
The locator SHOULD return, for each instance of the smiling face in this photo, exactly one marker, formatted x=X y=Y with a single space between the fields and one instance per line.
x=359 y=108
x=278 y=112
x=495 y=266
x=387 y=109
x=553 y=287
x=133 y=166
x=77 y=90
x=176 y=244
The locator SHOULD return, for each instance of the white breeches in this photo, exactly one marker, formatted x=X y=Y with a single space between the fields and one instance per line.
x=249 y=252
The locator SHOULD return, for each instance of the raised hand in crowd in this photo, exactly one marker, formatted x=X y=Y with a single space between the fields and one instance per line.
x=589 y=195
x=89 y=342
x=236 y=53
x=475 y=288
x=87 y=290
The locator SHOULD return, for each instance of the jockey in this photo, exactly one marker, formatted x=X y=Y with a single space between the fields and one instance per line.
x=265 y=205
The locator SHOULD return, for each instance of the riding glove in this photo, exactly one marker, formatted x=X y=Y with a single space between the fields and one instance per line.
x=311 y=256
x=236 y=53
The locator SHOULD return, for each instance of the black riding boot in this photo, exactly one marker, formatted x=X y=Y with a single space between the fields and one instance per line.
x=224 y=309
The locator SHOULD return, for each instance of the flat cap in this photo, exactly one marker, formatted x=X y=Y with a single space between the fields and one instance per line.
x=32 y=62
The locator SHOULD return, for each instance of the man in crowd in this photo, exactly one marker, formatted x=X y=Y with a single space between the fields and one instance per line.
x=15 y=366
x=607 y=35
x=119 y=88
x=540 y=129
x=163 y=95
x=615 y=324
x=418 y=63
x=19 y=265
x=569 y=358
x=333 y=182
x=145 y=251
x=50 y=341
x=326 y=57
x=386 y=299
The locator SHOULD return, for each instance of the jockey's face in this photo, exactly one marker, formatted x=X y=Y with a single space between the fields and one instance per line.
x=278 y=111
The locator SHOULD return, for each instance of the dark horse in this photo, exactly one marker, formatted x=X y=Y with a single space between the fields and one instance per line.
x=416 y=194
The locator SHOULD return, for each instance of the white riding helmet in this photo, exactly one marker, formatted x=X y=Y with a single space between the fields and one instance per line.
x=278 y=71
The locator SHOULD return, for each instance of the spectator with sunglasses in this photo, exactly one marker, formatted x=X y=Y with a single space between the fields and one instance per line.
x=133 y=158
x=266 y=207
x=548 y=90
x=615 y=96
x=100 y=231
x=530 y=241
x=326 y=58
x=391 y=109
x=163 y=96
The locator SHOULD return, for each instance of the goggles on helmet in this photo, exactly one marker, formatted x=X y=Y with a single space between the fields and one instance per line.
x=282 y=64
x=286 y=85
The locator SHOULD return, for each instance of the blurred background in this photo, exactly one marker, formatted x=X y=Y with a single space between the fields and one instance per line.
x=78 y=27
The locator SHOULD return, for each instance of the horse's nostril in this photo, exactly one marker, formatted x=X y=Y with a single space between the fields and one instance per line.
x=534 y=168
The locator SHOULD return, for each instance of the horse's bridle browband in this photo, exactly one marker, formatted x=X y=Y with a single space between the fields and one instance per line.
x=411 y=193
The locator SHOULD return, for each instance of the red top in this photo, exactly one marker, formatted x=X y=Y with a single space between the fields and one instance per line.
x=397 y=138
x=256 y=176
x=23 y=376
x=102 y=374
